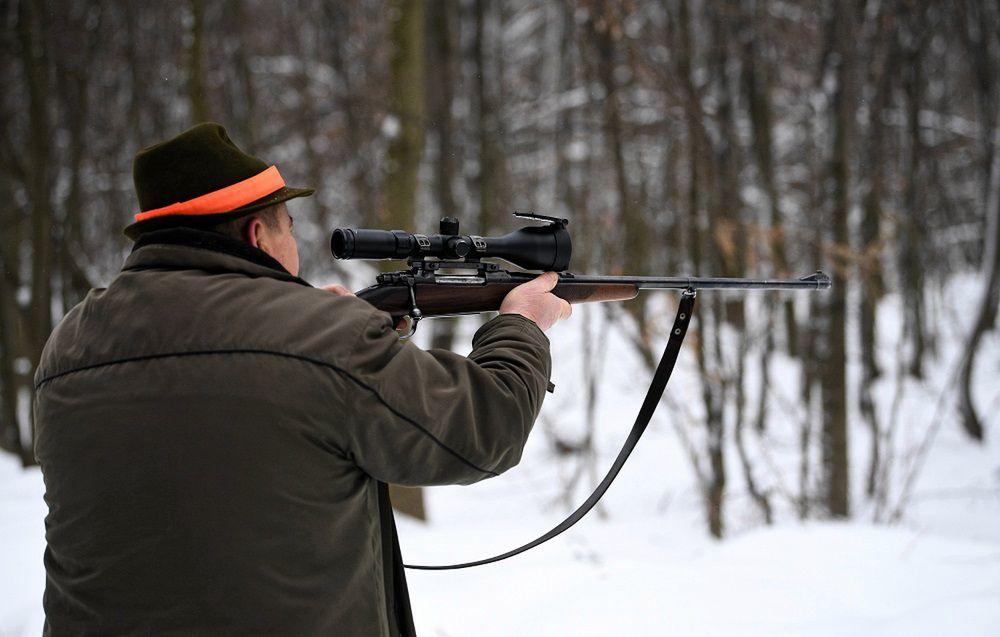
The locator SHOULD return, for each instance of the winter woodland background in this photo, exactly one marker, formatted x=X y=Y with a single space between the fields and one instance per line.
x=704 y=137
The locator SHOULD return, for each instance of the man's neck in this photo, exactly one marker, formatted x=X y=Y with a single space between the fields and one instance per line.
x=208 y=240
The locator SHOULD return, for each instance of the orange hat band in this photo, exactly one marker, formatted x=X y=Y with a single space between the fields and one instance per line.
x=225 y=199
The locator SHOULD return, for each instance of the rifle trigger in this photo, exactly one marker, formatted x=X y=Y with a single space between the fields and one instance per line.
x=411 y=328
x=415 y=314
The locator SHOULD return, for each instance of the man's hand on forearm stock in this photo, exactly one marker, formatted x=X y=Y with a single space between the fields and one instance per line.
x=534 y=300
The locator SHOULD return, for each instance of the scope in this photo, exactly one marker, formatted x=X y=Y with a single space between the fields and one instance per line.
x=545 y=247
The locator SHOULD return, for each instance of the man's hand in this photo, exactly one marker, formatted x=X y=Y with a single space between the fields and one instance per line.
x=337 y=289
x=534 y=300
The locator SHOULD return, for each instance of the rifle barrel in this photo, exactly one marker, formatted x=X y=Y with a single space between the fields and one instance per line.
x=815 y=281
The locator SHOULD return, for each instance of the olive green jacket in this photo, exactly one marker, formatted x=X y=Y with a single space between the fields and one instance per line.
x=215 y=434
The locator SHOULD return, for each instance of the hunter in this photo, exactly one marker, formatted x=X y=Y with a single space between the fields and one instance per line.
x=216 y=435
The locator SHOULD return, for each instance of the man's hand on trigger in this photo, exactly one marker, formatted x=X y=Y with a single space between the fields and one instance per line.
x=534 y=300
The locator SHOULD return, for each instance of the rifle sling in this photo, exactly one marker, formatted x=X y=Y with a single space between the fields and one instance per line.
x=653 y=395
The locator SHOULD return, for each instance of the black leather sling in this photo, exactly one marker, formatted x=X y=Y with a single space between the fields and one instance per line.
x=660 y=377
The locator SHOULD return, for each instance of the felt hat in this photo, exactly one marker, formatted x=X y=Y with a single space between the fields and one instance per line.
x=201 y=178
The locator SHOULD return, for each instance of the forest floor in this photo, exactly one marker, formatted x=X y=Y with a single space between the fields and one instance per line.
x=644 y=564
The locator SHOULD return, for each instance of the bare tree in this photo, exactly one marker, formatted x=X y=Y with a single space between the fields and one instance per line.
x=981 y=37
x=406 y=103
x=833 y=354
x=197 y=92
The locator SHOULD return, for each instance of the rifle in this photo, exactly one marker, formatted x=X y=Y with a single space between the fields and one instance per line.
x=447 y=275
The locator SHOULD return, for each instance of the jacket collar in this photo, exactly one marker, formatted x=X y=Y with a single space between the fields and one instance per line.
x=192 y=248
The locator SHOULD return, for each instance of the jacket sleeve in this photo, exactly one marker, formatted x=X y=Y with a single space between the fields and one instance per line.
x=420 y=418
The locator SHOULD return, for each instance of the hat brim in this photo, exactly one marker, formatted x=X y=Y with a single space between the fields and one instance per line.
x=133 y=231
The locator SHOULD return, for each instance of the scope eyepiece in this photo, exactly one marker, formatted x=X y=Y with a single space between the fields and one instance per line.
x=533 y=248
x=371 y=244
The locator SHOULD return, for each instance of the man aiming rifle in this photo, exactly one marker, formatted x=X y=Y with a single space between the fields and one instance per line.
x=216 y=435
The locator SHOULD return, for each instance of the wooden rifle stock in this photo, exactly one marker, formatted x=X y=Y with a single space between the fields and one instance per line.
x=417 y=294
x=445 y=299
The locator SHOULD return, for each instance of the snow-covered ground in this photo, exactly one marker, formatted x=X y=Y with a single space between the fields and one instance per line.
x=646 y=566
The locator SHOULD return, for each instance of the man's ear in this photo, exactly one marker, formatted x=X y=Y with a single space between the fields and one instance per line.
x=254 y=232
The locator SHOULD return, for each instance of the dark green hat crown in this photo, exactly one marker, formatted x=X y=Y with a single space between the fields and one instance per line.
x=199 y=161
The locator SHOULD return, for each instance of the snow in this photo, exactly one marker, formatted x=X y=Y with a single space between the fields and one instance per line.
x=646 y=566
x=812 y=579
x=22 y=576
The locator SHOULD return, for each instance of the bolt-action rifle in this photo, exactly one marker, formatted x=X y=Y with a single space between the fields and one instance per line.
x=447 y=276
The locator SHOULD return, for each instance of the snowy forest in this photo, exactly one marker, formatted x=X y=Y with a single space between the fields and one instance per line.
x=739 y=138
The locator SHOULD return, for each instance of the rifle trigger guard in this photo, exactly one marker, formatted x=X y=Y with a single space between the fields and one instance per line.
x=415 y=314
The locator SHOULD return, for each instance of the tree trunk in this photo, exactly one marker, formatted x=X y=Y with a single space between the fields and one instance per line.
x=139 y=103
x=76 y=78
x=492 y=176
x=246 y=110
x=12 y=333
x=441 y=57
x=31 y=27
x=870 y=276
x=833 y=375
x=307 y=128
x=708 y=317
x=987 y=312
x=759 y=496
x=757 y=85
x=605 y=30
x=406 y=102
x=913 y=245
x=359 y=127
x=713 y=395
x=984 y=67
x=728 y=247
x=196 y=91
x=696 y=137
x=810 y=374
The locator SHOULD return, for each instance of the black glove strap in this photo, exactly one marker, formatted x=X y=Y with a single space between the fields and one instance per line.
x=656 y=387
